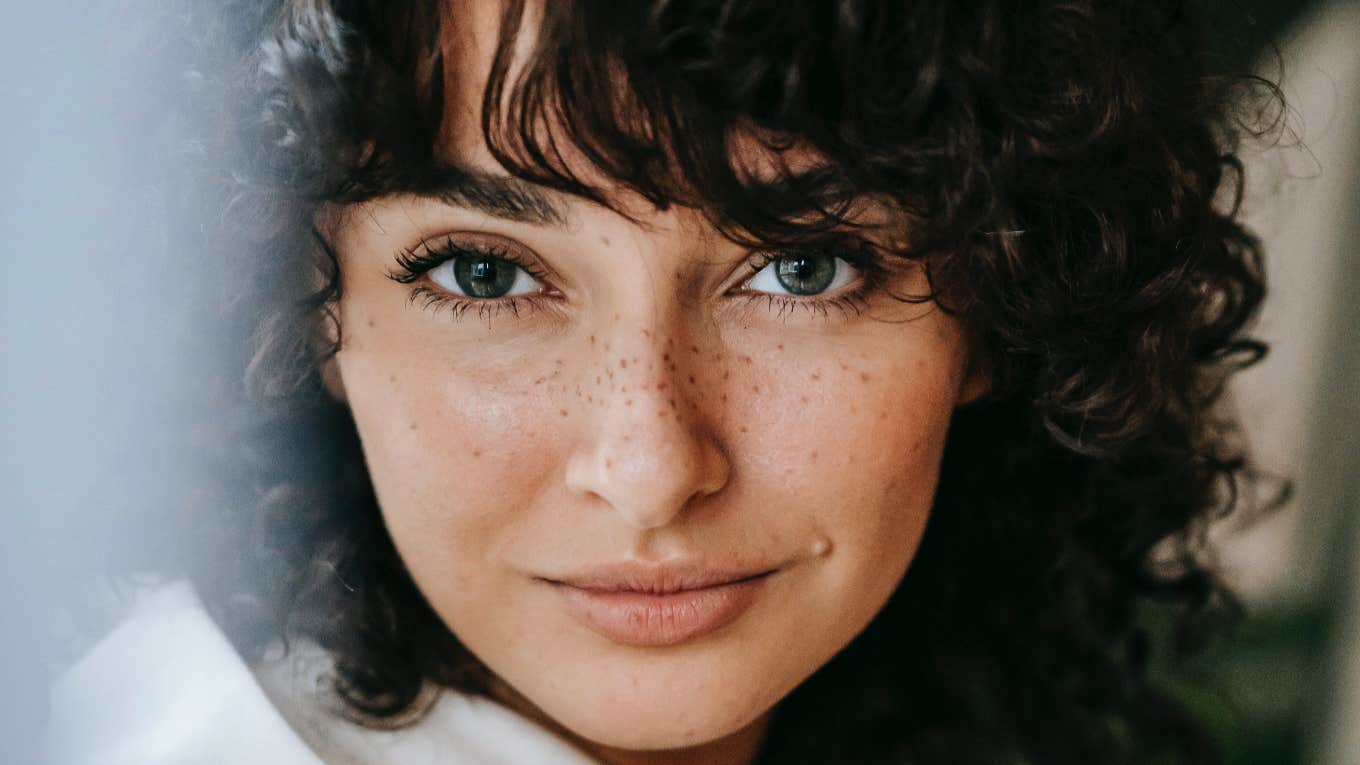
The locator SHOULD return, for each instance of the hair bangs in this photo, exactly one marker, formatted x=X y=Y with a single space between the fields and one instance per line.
x=612 y=98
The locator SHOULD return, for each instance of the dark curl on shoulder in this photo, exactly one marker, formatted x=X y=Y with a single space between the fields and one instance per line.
x=1068 y=170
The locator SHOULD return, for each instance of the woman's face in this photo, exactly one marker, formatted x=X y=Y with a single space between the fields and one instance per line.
x=651 y=487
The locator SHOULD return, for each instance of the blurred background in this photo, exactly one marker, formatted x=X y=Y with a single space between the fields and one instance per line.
x=89 y=348
x=1286 y=691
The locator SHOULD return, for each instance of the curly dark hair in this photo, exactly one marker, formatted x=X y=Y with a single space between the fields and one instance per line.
x=1069 y=169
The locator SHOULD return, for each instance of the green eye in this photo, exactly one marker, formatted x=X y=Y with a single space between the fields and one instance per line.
x=810 y=273
x=483 y=277
x=804 y=275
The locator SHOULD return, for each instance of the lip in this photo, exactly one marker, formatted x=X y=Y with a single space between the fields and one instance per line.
x=659 y=605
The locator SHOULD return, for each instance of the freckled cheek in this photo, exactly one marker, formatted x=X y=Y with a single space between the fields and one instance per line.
x=865 y=452
x=456 y=461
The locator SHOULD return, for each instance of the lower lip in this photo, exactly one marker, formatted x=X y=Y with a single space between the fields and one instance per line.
x=646 y=620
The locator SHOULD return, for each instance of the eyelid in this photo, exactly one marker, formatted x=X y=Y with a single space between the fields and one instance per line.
x=856 y=253
x=414 y=262
x=855 y=278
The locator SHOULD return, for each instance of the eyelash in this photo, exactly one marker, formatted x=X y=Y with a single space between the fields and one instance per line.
x=850 y=302
x=412 y=265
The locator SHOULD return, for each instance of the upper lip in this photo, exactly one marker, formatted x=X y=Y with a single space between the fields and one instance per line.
x=657 y=578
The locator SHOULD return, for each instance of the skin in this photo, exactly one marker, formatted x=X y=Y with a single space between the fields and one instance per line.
x=647 y=409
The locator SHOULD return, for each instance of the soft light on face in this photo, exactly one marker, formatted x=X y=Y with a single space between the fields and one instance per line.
x=606 y=392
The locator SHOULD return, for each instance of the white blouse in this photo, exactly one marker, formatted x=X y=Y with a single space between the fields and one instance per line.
x=166 y=688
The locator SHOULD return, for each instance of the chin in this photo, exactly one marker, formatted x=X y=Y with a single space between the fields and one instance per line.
x=627 y=719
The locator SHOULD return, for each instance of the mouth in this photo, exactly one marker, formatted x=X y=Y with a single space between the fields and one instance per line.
x=657 y=606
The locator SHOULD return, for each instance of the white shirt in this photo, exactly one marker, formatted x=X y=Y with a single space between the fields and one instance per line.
x=167 y=688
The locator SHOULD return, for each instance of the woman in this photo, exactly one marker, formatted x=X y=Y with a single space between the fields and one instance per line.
x=724 y=382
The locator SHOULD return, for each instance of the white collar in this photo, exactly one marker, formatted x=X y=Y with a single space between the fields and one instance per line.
x=166 y=688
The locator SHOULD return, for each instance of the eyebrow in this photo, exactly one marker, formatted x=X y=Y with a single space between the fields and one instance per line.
x=520 y=201
x=500 y=196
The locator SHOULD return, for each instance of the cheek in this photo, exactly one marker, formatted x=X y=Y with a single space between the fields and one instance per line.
x=864 y=430
x=454 y=458
x=858 y=441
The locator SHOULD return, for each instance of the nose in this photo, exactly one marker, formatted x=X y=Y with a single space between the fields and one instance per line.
x=645 y=451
